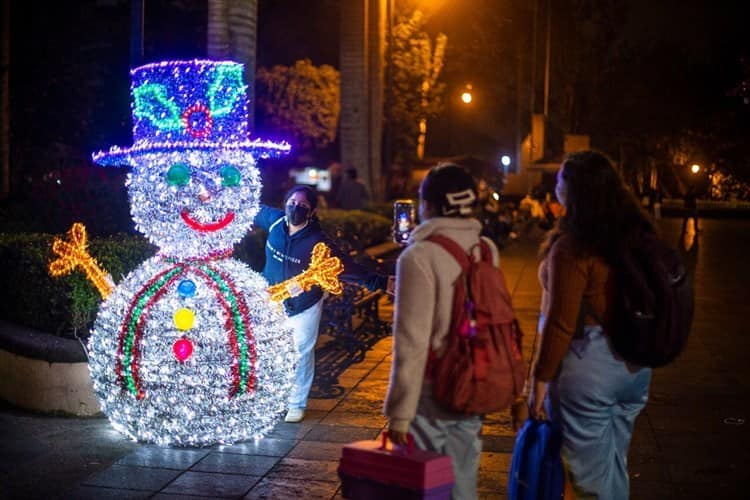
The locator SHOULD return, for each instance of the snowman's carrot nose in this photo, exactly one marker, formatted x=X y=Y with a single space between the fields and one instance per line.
x=73 y=253
x=204 y=195
x=323 y=270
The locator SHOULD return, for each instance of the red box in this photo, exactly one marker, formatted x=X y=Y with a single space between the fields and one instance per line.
x=357 y=488
x=369 y=469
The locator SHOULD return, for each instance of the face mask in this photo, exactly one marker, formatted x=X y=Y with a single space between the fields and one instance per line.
x=296 y=215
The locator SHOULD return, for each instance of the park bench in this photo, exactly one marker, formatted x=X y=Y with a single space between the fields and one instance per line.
x=353 y=318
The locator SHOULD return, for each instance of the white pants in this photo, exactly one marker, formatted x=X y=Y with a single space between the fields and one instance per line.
x=305 y=328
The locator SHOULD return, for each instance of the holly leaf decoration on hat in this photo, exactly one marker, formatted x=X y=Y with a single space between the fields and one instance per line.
x=225 y=89
x=152 y=103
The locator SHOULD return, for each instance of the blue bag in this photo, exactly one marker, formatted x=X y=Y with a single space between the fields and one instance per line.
x=536 y=471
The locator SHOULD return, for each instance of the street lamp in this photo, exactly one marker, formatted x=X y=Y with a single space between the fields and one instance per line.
x=466 y=97
x=505 y=161
x=695 y=168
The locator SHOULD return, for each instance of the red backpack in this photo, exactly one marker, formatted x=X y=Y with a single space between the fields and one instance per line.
x=481 y=370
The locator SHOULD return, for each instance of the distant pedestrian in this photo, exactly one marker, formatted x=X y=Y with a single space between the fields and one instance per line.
x=335 y=172
x=578 y=382
x=691 y=209
x=352 y=194
x=658 y=197
x=425 y=276
x=488 y=211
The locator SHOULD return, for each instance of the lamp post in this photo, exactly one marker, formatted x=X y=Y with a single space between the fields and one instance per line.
x=388 y=136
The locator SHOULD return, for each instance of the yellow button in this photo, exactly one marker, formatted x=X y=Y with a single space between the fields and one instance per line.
x=184 y=319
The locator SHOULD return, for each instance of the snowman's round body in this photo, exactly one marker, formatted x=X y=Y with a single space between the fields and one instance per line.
x=191 y=354
x=188 y=349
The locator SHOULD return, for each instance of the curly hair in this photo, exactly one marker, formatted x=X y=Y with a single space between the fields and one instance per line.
x=601 y=213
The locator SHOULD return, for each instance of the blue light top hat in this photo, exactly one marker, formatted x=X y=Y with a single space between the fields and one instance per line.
x=188 y=105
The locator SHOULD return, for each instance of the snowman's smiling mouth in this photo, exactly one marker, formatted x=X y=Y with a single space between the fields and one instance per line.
x=207 y=227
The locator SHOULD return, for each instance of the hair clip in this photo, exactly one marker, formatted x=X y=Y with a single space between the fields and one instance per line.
x=460 y=202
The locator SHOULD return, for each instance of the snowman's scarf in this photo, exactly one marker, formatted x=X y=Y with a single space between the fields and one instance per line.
x=241 y=340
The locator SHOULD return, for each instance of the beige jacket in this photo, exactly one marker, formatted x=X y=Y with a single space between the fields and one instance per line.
x=425 y=274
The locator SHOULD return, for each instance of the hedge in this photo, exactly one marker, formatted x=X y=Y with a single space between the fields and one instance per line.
x=67 y=306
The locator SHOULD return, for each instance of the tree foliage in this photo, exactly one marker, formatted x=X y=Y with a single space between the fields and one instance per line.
x=417 y=91
x=301 y=102
x=648 y=82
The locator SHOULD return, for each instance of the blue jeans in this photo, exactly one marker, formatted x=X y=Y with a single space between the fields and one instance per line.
x=595 y=398
x=305 y=328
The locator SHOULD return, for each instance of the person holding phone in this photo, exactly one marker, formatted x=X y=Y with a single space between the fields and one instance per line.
x=425 y=277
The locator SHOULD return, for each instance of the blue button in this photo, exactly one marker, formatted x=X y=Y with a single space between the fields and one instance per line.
x=186 y=288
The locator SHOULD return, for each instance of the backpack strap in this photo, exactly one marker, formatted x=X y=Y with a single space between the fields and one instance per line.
x=486 y=251
x=452 y=248
x=463 y=261
x=459 y=253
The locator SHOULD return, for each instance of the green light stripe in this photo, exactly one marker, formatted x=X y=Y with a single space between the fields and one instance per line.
x=237 y=318
x=132 y=326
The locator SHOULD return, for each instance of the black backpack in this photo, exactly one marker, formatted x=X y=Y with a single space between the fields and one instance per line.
x=653 y=309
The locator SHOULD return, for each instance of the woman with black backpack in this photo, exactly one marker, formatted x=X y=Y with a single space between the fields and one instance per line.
x=578 y=381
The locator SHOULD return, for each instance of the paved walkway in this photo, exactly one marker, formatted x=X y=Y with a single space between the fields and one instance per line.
x=691 y=442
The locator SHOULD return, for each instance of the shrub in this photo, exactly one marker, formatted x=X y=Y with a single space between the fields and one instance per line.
x=64 y=306
x=67 y=306
x=383 y=209
x=354 y=230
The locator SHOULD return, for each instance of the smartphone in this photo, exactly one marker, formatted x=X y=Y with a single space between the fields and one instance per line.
x=404 y=220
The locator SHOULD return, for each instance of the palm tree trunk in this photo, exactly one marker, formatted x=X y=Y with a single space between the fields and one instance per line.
x=5 y=105
x=243 y=34
x=218 y=29
x=232 y=34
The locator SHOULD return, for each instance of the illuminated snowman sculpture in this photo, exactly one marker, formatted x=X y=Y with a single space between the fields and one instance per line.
x=189 y=349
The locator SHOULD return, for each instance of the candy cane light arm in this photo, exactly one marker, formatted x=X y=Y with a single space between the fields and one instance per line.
x=73 y=253
x=323 y=270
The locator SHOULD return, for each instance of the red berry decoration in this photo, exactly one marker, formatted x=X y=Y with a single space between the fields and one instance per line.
x=183 y=349
x=198 y=121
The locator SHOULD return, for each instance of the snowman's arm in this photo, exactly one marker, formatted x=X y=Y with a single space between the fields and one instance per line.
x=323 y=271
x=73 y=253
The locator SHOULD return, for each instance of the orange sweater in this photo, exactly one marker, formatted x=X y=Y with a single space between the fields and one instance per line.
x=568 y=281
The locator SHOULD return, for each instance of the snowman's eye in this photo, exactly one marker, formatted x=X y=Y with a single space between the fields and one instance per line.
x=178 y=175
x=230 y=176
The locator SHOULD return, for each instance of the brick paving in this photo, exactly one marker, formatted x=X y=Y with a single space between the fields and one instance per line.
x=690 y=442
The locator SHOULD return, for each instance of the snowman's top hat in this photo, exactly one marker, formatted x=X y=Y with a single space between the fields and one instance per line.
x=188 y=105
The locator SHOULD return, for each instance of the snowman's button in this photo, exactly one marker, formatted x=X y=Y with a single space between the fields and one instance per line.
x=184 y=319
x=182 y=349
x=186 y=288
